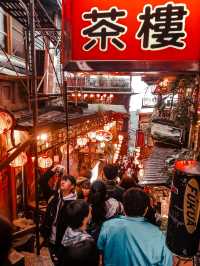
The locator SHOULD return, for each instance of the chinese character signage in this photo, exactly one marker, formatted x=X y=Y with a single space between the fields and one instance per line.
x=163 y=26
x=104 y=29
x=126 y=30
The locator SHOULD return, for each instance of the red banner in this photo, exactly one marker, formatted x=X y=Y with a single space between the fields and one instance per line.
x=158 y=30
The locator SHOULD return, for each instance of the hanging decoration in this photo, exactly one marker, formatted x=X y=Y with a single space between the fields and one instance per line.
x=6 y=121
x=82 y=141
x=102 y=145
x=162 y=88
x=45 y=161
x=120 y=137
x=20 y=136
x=102 y=135
x=92 y=135
x=20 y=160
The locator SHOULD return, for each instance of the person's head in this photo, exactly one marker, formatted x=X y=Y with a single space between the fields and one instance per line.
x=5 y=239
x=127 y=182
x=86 y=187
x=136 y=202
x=98 y=192
x=67 y=184
x=78 y=213
x=97 y=198
x=110 y=171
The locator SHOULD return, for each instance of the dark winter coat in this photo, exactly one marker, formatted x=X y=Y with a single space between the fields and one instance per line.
x=78 y=249
x=56 y=205
x=114 y=190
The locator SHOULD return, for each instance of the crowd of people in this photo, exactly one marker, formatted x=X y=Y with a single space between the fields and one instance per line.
x=106 y=222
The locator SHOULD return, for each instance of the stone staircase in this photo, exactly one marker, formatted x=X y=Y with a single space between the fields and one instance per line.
x=154 y=173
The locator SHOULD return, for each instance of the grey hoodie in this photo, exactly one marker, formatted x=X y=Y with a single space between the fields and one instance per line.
x=74 y=236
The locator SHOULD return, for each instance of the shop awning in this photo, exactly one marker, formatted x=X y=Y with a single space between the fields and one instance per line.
x=51 y=118
x=55 y=117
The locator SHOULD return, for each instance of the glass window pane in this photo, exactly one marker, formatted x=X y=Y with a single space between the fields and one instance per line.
x=18 y=44
x=17 y=39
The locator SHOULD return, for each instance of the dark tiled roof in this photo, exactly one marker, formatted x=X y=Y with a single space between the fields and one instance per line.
x=50 y=118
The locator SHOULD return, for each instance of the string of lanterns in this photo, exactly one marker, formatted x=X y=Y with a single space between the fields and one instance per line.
x=93 y=96
x=118 y=148
x=45 y=161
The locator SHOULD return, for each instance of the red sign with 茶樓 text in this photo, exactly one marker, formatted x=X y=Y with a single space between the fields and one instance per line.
x=95 y=30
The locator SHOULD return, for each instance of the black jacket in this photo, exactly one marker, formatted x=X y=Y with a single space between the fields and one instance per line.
x=79 y=254
x=5 y=263
x=55 y=199
x=114 y=191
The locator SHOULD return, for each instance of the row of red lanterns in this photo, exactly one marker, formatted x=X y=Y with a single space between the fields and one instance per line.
x=93 y=95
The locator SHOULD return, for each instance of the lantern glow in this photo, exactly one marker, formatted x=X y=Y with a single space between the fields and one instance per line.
x=45 y=161
x=6 y=121
x=20 y=160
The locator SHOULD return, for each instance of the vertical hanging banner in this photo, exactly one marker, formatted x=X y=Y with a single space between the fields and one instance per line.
x=130 y=32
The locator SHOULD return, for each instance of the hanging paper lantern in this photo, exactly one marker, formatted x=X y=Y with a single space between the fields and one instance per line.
x=45 y=161
x=106 y=127
x=20 y=136
x=82 y=141
x=6 y=121
x=20 y=160
x=102 y=135
x=115 y=146
x=92 y=135
x=102 y=145
x=120 y=137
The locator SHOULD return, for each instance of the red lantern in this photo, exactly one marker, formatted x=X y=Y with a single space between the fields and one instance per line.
x=102 y=135
x=82 y=141
x=20 y=160
x=45 y=161
x=6 y=121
